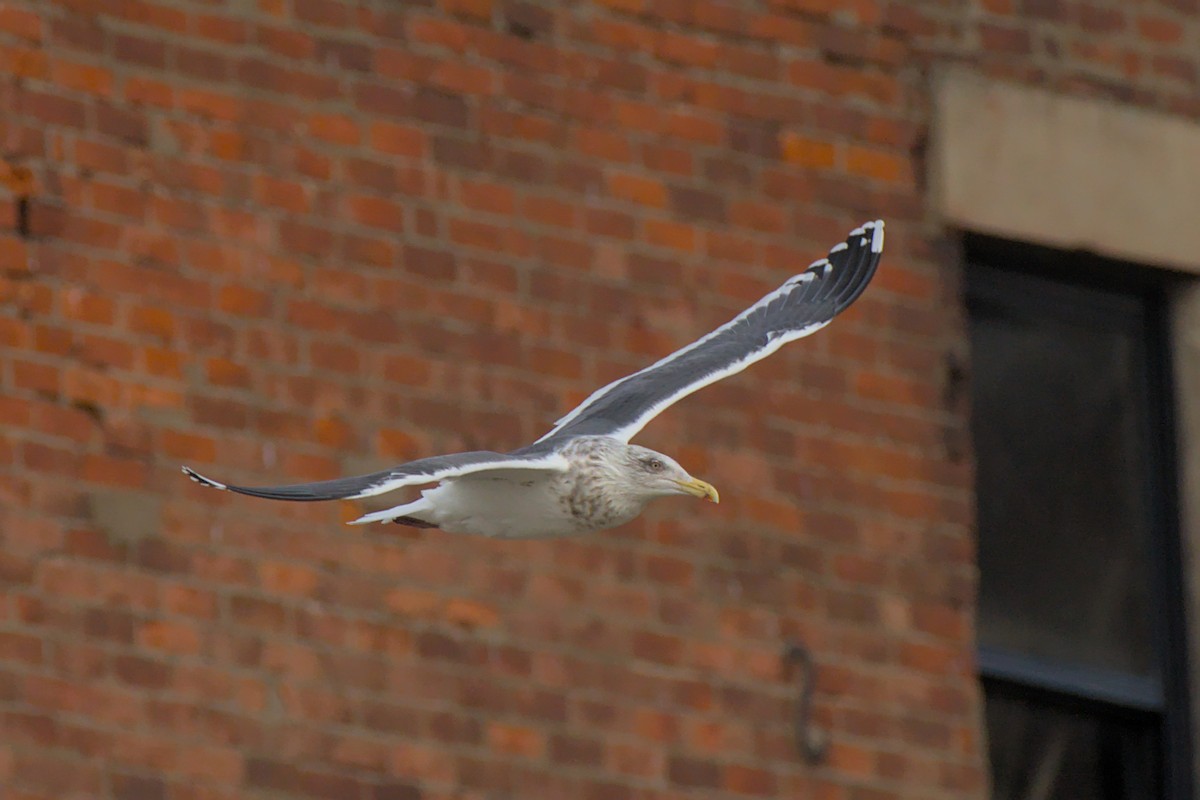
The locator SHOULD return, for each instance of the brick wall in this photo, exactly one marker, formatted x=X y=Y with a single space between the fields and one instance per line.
x=285 y=240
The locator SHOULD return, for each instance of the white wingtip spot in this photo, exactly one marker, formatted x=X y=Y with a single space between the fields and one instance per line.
x=877 y=238
x=808 y=275
x=203 y=481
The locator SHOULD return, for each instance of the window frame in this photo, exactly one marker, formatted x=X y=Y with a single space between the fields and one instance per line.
x=1031 y=280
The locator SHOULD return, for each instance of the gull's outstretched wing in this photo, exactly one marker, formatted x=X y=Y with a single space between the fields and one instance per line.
x=414 y=473
x=804 y=304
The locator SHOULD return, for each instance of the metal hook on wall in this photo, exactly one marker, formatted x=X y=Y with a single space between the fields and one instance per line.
x=811 y=741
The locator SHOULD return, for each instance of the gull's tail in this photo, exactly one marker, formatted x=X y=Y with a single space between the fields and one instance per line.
x=411 y=514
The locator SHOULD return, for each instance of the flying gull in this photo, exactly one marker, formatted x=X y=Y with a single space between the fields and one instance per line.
x=584 y=475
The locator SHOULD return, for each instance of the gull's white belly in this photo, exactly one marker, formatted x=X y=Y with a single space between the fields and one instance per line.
x=503 y=508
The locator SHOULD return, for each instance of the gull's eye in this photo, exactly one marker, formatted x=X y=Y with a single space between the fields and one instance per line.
x=654 y=465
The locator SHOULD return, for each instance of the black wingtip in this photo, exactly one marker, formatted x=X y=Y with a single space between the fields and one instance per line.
x=335 y=489
x=203 y=481
x=875 y=228
x=856 y=261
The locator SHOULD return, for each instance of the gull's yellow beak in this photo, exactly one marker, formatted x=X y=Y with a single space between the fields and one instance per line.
x=699 y=488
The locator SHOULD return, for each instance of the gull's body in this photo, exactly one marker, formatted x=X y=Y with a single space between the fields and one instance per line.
x=584 y=475
x=534 y=504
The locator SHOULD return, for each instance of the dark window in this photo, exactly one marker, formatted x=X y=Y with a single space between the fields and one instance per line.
x=1080 y=609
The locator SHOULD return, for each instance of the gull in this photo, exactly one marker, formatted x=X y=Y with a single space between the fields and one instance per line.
x=584 y=475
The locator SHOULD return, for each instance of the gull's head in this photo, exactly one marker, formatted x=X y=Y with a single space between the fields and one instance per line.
x=652 y=474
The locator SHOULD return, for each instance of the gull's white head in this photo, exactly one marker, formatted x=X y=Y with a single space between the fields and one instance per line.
x=649 y=474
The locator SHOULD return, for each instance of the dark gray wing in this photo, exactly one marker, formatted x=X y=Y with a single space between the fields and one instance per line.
x=804 y=304
x=421 y=471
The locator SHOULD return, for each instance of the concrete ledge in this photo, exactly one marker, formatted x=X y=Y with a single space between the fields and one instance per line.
x=1066 y=172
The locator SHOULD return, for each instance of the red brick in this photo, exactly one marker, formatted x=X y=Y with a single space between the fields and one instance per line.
x=226 y=30
x=470 y=9
x=323 y=12
x=189 y=601
x=605 y=144
x=188 y=446
x=242 y=300
x=1160 y=29
x=172 y=637
x=669 y=159
x=850 y=759
x=1097 y=19
x=626 y=6
x=152 y=320
x=470 y=614
x=288 y=579
x=120 y=472
x=32 y=376
x=22 y=23
x=285 y=42
x=807 y=152
x=515 y=740
x=692 y=772
x=686 y=50
x=213 y=105
x=452 y=36
x=376 y=212
x=54 y=341
x=1006 y=39
x=459 y=78
x=17 y=179
x=104 y=352
x=84 y=77
x=145 y=12
x=335 y=128
x=638 y=189
x=875 y=164
x=20 y=648
x=398 y=140
x=25 y=62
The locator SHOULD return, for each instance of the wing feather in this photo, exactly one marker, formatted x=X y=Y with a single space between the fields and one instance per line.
x=803 y=305
x=414 y=473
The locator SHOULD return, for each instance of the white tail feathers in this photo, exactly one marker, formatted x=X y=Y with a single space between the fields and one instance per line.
x=413 y=509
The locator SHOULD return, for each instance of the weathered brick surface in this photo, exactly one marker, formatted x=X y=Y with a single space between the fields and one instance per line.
x=289 y=239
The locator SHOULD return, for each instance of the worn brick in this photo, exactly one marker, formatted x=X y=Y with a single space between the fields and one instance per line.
x=395 y=790
x=440 y=108
x=263 y=773
x=24 y=23
x=1162 y=30
x=398 y=140
x=170 y=636
x=1006 y=38
x=875 y=164
x=516 y=740
x=693 y=773
x=638 y=189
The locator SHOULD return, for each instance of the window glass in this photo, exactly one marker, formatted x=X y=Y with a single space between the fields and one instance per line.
x=1055 y=753
x=1061 y=484
x=1080 y=604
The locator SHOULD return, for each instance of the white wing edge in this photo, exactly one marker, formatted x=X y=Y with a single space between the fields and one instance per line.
x=786 y=288
x=552 y=462
x=876 y=226
x=631 y=429
x=549 y=463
